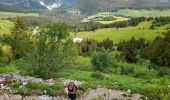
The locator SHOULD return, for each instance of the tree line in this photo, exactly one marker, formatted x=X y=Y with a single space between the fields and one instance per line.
x=134 y=21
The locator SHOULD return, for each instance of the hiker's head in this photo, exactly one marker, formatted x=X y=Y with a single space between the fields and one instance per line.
x=71 y=83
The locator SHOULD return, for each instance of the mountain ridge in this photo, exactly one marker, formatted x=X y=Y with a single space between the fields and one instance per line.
x=87 y=6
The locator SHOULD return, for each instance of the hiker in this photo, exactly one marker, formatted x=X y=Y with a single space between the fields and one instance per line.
x=72 y=88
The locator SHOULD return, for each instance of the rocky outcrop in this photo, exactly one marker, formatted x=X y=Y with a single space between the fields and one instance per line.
x=99 y=93
x=16 y=77
x=109 y=94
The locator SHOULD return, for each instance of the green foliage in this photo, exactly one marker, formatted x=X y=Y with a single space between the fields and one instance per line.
x=52 y=90
x=5 y=26
x=130 y=53
x=8 y=68
x=98 y=75
x=102 y=60
x=163 y=71
x=53 y=50
x=19 y=40
x=13 y=14
x=145 y=86
x=6 y=54
x=88 y=46
x=125 y=33
x=137 y=70
x=158 y=52
x=158 y=92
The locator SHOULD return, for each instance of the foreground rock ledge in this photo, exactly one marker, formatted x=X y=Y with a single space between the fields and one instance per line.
x=99 y=93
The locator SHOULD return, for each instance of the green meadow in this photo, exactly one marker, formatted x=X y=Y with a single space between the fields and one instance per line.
x=104 y=15
x=141 y=31
x=13 y=14
x=5 y=26
x=139 y=13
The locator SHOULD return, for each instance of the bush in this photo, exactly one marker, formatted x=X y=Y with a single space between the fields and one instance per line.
x=163 y=71
x=128 y=70
x=157 y=92
x=137 y=70
x=102 y=60
x=52 y=90
x=144 y=72
x=97 y=75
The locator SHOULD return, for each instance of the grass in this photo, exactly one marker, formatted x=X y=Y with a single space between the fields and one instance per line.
x=34 y=88
x=141 y=31
x=5 y=26
x=13 y=14
x=9 y=68
x=100 y=16
x=143 y=86
x=146 y=13
x=152 y=87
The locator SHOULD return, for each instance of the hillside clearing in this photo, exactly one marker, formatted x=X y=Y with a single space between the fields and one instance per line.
x=141 y=31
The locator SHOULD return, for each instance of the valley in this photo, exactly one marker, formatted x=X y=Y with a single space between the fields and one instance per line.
x=110 y=49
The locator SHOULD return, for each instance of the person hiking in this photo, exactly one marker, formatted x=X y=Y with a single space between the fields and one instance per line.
x=72 y=88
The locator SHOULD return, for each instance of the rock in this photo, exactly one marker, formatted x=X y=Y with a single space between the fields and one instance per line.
x=44 y=97
x=67 y=81
x=6 y=97
x=146 y=98
x=66 y=90
x=124 y=95
x=129 y=91
x=108 y=94
x=50 y=81
x=16 y=77
x=168 y=86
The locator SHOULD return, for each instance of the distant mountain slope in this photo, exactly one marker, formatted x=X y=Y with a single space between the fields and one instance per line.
x=86 y=6
x=92 y=6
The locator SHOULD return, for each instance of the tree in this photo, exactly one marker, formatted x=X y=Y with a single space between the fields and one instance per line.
x=107 y=44
x=129 y=54
x=54 y=50
x=158 y=51
x=102 y=60
x=20 y=40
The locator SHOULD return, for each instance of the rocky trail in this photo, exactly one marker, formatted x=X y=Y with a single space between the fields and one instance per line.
x=90 y=94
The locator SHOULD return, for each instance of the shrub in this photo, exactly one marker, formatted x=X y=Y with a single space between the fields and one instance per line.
x=144 y=72
x=157 y=92
x=52 y=90
x=137 y=70
x=163 y=71
x=97 y=75
x=102 y=60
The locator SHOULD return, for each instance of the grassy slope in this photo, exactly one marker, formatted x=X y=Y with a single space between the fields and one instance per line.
x=5 y=27
x=148 y=86
x=13 y=14
x=140 y=31
x=143 y=86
